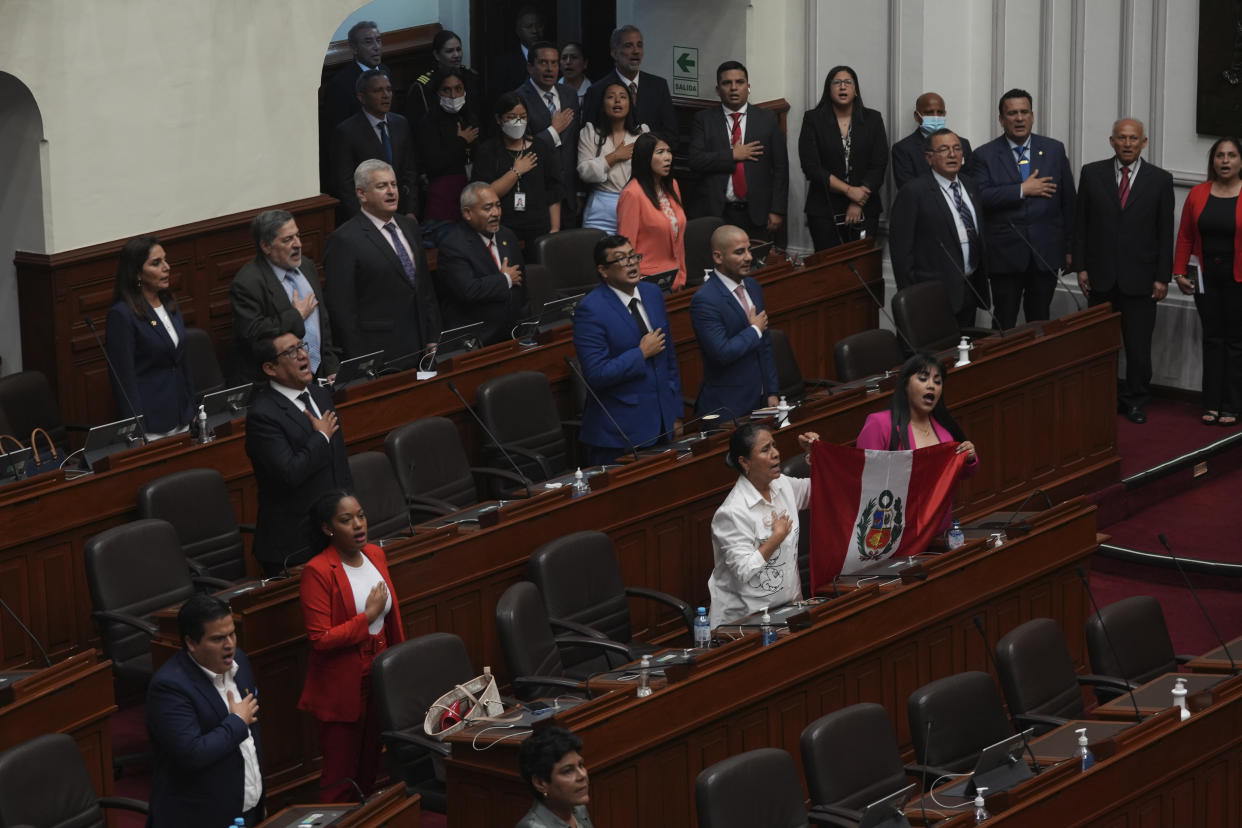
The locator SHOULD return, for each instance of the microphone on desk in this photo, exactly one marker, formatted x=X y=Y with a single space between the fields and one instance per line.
x=1082 y=576
x=1056 y=272
x=884 y=311
x=362 y=800
x=47 y=661
x=1164 y=541
x=452 y=386
x=987 y=647
x=142 y=426
x=714 y=414
x=983 y=306
x=1025 y=500
x=573 y=366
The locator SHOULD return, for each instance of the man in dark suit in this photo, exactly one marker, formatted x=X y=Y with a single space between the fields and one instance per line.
x=278 y=292
x=479 y=268
x=379 y=288
x=551 y=111
x=909 y=158
x=297 y=450
x=508 y=71
x=936 y=231
x=1123 y=250
x=1027 y=189
x=740 y=152
x=649 y=95
x=621 y=339
x=731 y=325
x=339 y=97
x=374 y=133
x=203 y=720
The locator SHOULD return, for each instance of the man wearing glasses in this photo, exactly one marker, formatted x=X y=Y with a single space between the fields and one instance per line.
x=622 y=342
x=936 y=229
x=295 y=445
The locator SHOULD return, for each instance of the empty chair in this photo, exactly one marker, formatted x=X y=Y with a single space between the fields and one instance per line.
x=966 y=715
x=530 y=650
x=851 y=759
x=699 y=247
x=922 y=313
x=433 y=471
x=406 y=680
x=520 y=411
x=866 y=354
x=540 y=286
x=1140 y=636
x=196 y=502
x=379 y=494
x=570 y=256
x=755 y=788
x=44 y=782
x=580 y=581
x=793 y=386
x=204 y=365
x=28 y=403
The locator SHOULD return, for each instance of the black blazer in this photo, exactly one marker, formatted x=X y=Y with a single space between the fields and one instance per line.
x=293 y=467
x=655 y=104
x=152 y=372
x=262 y=310
x=920 y=231
x=440 y=151
x=821 y=154
x=354 y=141
x=506 y=73
x=767 y=179
x=542 y=185
x=910 y=158
x=1130 y=248
x=538 y=120
x=373 y=304
x=472 y=289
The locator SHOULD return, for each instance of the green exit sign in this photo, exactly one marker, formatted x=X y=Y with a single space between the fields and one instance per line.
x=686 y=71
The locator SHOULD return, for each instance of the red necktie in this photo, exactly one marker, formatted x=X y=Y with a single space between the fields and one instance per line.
x=1123 y=187
x=491 y=247
x=739 y=175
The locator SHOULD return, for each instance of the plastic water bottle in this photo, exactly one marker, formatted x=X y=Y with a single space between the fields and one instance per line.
x=981 y=811
x=581 y=487
x=644 y=680
x=702 y=630
x=1085 y=756
x=1179 y=698
x=766 y=632
x=956 y=536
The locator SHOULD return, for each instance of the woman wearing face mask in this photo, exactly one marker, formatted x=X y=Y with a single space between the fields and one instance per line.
x=649 y=212
x=445 y=139
x=422 y=96
x=604 y=151
x=522 y=171
x=918 y=418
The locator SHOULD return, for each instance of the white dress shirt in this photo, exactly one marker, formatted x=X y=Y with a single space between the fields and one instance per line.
x=593 y=167
x=625 y=300
x=253 y=780
x=962 y=238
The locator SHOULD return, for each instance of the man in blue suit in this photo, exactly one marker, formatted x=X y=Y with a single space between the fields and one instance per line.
x=203 y=720
x=621 y=339
x=1027 y=189
x=731 y=325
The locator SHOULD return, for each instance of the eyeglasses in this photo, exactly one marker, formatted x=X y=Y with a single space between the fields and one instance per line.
x=956 y=149
x=293 y=350
x=842 y=82
x=633 y=258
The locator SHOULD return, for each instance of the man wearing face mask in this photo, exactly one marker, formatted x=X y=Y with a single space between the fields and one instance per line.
x=445 y=139
x=909 y=159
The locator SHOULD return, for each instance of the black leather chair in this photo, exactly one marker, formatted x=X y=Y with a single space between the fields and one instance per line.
x=792 y=385
x=380 y=495
x=698 y=240
x=1037 y=675
x=521 y=412
x=407 y=679
x=28 y=403
x=44 y=782
x=1140 y=637
x=966 y=715
x=196 y=502
x=866 y=354
x=580 y=581
x=433 y=471
x=756 y=788
x=540 y=286
x=570 y=256
x=530 y=650
x=205 y=368
x=922 y=313
x=850 y=759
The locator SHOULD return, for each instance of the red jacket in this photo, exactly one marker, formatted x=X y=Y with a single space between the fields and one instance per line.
x=1188 y=239
x=337 y=630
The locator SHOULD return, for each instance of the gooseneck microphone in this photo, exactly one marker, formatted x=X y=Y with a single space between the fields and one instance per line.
x=987 y=647
x=1082 y=576
x=134 y=412
x=983 y=306
x=573 y=366
x=1233 y=667
x=47 y=661
x=883 y=310
x=1056 y=272
x=452 y=386
x=923 y=784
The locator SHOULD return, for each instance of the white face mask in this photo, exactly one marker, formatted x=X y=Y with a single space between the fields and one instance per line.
x=452 y=104
x=514 y=129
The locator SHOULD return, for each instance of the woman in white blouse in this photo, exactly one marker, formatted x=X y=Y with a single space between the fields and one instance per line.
x=604 y=151
x=755 y=530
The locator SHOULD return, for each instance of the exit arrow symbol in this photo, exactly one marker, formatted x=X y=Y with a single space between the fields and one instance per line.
x=684 y=62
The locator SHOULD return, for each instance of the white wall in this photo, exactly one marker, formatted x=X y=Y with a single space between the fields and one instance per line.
x=717 y=29
x=392 y=14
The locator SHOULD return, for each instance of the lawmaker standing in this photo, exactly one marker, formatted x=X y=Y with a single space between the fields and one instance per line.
x=844 y=152
x=650 y=213
x=146 y=342
x=445 y=137
x=1211 y=233
x=755 y=530
x=605 y=148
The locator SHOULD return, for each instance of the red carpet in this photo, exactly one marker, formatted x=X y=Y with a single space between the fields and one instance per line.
x=1172 y=429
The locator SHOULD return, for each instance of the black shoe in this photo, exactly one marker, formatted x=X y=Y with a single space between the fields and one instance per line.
x=1136 y=414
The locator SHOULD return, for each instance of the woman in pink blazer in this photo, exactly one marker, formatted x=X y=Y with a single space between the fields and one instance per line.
x=649 y=211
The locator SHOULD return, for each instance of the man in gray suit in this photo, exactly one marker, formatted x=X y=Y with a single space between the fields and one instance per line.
x=278 y=292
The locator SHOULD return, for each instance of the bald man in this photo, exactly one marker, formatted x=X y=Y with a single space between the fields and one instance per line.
x=731 y=325
x=909 y=159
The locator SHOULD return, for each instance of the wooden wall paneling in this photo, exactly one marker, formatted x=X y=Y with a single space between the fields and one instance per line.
x=902 y=675
x=658 y=786
x=617 y=794
x=53 y=573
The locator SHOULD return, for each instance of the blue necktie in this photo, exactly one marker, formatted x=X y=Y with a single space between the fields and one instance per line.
x=311 y=322
x=406 y=263
x=1024 y=165
x=385 y=140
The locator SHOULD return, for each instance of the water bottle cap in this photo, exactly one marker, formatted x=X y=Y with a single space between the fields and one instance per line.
x=702 y=610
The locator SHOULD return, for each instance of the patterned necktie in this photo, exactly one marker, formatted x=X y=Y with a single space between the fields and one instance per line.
x=968 y=221
x=633 y=96
x=406 y=263
x=1024 y=166
x=311 y=322
x=739 y=174
x=1123 y=187
x=382 y=126
x=638 y=317
x=547 y=96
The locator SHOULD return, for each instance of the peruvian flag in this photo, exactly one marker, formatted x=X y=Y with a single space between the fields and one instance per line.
x=868 y=505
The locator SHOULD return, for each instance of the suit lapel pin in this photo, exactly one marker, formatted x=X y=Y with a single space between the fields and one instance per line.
x=154 y=323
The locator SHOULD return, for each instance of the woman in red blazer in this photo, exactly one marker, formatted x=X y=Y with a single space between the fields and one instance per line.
x=649 y=211
x=351 y=615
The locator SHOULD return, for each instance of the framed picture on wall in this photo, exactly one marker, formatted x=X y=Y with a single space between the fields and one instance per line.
x=1219 y=105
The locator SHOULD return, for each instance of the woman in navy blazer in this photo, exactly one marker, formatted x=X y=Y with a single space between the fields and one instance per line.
x=146 y=342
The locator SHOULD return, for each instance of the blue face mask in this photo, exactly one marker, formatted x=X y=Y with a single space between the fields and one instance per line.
x=931 y=123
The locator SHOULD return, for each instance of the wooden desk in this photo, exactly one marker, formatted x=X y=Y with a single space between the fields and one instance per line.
x=1157 y=695
x=872 y=645
x=389 y=807
x=1216 y=661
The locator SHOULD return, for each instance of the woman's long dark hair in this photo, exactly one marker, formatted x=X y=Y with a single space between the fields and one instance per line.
x=921 y=361
x=126 y=287
x=321 y=512
x=467 y=114
x=825 y=100
x=640 y=167
x=603 y=124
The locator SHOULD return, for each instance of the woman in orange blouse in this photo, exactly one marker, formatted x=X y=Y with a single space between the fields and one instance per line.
x=649 y=212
